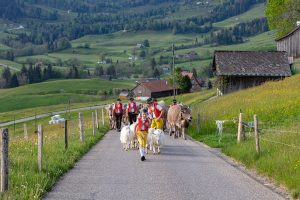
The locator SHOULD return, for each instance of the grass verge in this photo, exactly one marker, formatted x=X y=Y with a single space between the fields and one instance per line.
x=25 y=182
x=277 y=105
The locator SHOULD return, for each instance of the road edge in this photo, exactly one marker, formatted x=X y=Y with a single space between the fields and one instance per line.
x=252 y=173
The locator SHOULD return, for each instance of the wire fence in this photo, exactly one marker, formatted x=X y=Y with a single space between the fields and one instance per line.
x=266 y=130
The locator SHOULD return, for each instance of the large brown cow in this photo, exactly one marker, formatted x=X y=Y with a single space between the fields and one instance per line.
x=178 y=119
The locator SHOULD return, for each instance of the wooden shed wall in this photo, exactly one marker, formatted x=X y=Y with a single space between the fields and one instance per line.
x=141 y=91
x=227 y=84
x=290 y=44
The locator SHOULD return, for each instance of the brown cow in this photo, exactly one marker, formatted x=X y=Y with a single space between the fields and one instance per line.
x=178 y=119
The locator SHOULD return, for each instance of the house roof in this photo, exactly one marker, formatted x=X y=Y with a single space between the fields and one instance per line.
x=251 y=63
x=287 y=35
x=156 y=86
x=189 y=74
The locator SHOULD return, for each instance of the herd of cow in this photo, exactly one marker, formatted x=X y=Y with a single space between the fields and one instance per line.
x=176 y=120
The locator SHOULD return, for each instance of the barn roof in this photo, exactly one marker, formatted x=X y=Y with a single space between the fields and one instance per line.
x=251 y=63
x=189 y=74
x=156 y=86
x=287 y=35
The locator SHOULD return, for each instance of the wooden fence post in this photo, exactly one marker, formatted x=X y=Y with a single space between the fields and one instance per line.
x=66 y=134
x=198 y=123
x=25 y=132
x=97 y=119
x=240 y=128
x=40 y=146
x=4 y=159
x=93 y=123
x=81 y=127
x=256 y=135
x=102 y=117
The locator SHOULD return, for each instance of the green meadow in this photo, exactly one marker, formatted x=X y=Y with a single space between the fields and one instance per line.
x=58 y=92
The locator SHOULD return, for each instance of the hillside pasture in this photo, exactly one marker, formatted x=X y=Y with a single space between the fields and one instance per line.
x=57 y=92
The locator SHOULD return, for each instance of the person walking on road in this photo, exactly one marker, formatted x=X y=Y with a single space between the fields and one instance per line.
x=118 y=112
x=157 y=113
x=141 y=129
x=132 y=110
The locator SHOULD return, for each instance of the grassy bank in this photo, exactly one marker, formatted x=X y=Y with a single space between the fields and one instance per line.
x=25 y=182
x=277 y=105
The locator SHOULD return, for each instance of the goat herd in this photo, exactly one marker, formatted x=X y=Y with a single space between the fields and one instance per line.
x=176 y=120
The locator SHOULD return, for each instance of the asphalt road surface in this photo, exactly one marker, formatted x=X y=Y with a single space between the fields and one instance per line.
x=184 y=170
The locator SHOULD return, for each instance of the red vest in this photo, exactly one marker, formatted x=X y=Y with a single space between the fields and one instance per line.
x=118 y=106
x=156 y=111
x=140 y=124
x=130 y=108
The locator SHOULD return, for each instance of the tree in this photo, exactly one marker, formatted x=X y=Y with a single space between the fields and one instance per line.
x=156 y=73
x=153 y=63
x=282 y=15
x=142 y=54
x=185 y=85
x=99 y=71
x=14 y=81
x=146 y=43
x=6 y=75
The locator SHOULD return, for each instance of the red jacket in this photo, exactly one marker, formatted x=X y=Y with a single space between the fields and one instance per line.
x=156 y=111
x=118 y=106
x=130 y=108
x=140 y=124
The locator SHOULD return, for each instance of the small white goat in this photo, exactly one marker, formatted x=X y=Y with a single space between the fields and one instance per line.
x=126 y=137
x=155 y=140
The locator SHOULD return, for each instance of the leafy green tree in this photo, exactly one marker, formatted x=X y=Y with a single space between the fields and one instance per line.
x=14 y=81
x=146 y=43
x=156 y=73
x=142 y=54
x=153 y=63
x=185 y=84
x=6 y=75
x=282 y=15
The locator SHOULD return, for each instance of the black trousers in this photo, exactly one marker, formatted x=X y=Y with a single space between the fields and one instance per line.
x=118 y=120
x=132 y=117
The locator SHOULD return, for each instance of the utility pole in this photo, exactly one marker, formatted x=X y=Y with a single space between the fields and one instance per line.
x=173 y=50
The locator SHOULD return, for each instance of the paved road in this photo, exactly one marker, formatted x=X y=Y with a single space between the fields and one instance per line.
x=48 y=114
x=184 y=170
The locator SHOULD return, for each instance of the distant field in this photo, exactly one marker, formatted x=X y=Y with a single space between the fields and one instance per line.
x=57 y=92
x=255 y=12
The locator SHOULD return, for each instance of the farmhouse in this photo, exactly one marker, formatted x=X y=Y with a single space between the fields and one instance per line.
x=196 y=85
x=290 y=43
x=125 y=94
x=236 y=70
x=152 y=88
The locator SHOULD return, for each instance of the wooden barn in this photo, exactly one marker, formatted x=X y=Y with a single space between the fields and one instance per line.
x=236 y=70
x=152 y=88
x=290 y=43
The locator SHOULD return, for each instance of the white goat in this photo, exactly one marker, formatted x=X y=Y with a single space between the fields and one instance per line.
x=126 y=137
x=155 y=140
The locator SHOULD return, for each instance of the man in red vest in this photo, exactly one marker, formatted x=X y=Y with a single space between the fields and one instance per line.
x=157 y=113
x=118 y=112
x=132 y=110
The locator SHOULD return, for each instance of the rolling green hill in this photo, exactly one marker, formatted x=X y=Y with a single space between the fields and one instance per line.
x=57 y=92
